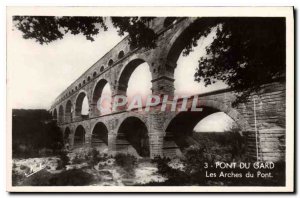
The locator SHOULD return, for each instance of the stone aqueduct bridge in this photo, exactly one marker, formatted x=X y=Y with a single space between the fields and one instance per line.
x=162 y=133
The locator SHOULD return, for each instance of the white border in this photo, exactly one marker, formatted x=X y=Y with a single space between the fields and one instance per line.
x=172 y=11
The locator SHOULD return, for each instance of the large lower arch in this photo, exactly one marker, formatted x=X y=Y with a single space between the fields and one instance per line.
x=78 y=104
x=99 y=136
x=68 y=111
x=182 y=125
x=79 y=137
x=133 y=134
x=97 y=94
x=179 y=128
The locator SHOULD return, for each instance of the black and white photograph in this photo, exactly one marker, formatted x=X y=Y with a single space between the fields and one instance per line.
x=150 y=99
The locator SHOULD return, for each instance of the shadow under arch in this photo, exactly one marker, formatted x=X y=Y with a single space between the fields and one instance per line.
x=79 y=101
x=99 y=138
x=133 y=137
x=79 y=137
x=218 y=106
x=97 y=94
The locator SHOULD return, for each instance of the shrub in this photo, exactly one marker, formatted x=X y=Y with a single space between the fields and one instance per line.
x=74 y=177
x=195 y=159
x=14 y=166
x=237 y=143
x=26 y=169
x=33 y=131
x=93 y=157
x=17 y=178
x=77 y=159
x=64 y=160
x=126 y=161
x=175 y=176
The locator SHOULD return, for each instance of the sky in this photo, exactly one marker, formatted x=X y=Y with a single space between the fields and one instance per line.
x=37 y=74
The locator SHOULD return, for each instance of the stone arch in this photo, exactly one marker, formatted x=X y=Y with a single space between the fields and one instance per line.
x=102 y=68
x=61 y=114
x=79 y=101
x=94 y=74
x=110 y=62
x=97 y=94
x=218 y=107
x=179 y=127
x=121 y=54
x=68 y=111
x=132 y=136
x=126 y=73
x=79 y=136
x=99 y=136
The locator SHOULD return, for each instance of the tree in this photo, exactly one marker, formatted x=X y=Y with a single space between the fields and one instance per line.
x=246 y=52
x=46 y=29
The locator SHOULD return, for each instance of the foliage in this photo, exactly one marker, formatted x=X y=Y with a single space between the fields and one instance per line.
x=93 y=157
x=46 y=29
x=140 y=35
x=25 y=168
x=33 y=131
x=195 y=173
x=246 y=53
x=126 y=161
x=74 y=177
x=16 y=177
x=238 y=143
x=78 y=159
x=226 y=146
x=175 y=176
x=195 y=159
x=64 y=160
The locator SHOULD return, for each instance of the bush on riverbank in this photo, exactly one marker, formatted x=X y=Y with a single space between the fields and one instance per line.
x=34 y=134
x=75 y=177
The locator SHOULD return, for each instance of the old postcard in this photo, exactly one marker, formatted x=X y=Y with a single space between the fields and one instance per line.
x=150 y=99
